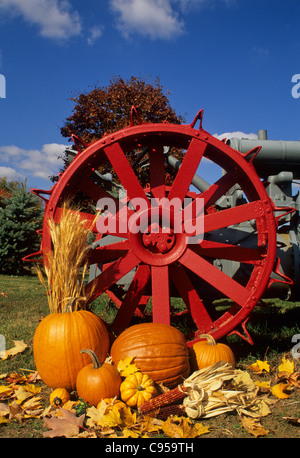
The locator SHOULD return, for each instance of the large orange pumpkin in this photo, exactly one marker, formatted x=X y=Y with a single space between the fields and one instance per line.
x=159 y=350
x=58 y=340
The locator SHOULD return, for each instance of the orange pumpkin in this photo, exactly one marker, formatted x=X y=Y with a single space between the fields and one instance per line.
x=208 y=352
x=58 y=340
x=97 y=381
x=159 y=350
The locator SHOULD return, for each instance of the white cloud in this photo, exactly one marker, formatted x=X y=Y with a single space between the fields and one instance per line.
x=152 y=18
x=10 y=173
x=95 y=33
x=236 y=134
x=158 y=19
x=55 y=18
x=30 y=162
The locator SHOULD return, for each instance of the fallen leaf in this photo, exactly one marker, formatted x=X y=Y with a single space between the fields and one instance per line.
x=21 y=394
x=6 y=391
x=4 y=409
x=286 y=366
x=259 y=408
x=278 y=390
x=253 y=426
x=15 y=377
x=111 y=419
x=3 y=420
x=16 y=412
x=150 y=424
x=19 y=347
x=34 y=377
x=32 y=407
x=181 y=427
x=129 y=433
x=243 y=381
x=67 y=425
x=95 y=415
x=260 y=366
x=126 y=367
x=263 y=386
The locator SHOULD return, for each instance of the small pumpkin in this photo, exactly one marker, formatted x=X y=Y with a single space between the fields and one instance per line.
x=59 y=397
x=136 y=389
x=207 y=352
x=159 y=350
x=97 y=381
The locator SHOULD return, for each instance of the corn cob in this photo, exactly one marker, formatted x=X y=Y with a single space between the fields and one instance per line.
x=166 y=411
x=164 y=399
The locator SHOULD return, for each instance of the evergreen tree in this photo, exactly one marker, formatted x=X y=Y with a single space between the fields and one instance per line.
x=20 y=217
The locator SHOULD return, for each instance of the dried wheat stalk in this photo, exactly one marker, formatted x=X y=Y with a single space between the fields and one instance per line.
x=66 y=265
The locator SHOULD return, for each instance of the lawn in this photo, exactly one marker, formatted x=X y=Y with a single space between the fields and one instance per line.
x=272 y=325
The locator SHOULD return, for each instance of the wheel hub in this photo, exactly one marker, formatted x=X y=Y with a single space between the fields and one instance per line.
x=159 y=239
x=154 y=237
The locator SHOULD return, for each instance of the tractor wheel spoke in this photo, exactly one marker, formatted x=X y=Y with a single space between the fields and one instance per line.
x=125 y=172
x=187 y=170
x=219 y=250
x=190 y=297
x=117 y=221
x=131 y=299
x=160 y=294
x=218 y=189
x=157 y=173
x=215 y=277
x=112 y=274
x=107 y=253
x=231 y=216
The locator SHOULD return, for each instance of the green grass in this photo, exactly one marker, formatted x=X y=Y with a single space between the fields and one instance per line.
x=23 y=303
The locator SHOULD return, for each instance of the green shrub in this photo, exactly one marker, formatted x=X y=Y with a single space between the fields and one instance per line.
x=20 y=217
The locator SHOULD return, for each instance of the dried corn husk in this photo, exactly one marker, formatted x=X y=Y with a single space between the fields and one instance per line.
x=206 y=397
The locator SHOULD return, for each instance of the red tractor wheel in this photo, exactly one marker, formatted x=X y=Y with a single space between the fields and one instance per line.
x=166 y=258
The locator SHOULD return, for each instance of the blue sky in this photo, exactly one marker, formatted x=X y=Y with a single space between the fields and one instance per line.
x=233 y=58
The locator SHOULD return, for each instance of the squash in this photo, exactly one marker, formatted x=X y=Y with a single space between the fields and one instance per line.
x=58 y=340
x=136 y=389
x=59 y=397
x=159 y=350
x=97 y=381
x=207 y=352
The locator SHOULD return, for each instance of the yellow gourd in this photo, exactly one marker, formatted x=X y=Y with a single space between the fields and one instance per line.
x=59 y=397
x=136 y=389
